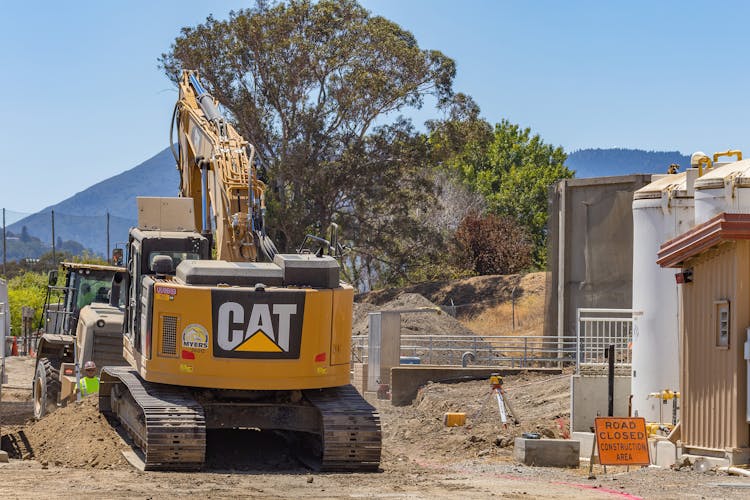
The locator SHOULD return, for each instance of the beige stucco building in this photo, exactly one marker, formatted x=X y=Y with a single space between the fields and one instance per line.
x=714 y=319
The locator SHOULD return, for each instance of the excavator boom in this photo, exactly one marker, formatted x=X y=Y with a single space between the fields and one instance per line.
x=217 y=171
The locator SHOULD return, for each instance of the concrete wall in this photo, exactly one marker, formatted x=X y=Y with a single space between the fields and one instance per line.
x=406 y=380
x=589 y=398
x=591 y=262
x=359 y=377
x=384 y=347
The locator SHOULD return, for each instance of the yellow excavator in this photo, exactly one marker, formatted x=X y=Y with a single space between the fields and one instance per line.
x=231 y=343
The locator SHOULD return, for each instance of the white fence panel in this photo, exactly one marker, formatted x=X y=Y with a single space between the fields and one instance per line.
x=596 y=330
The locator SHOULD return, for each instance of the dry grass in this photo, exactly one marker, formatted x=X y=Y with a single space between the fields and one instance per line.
x=498 y=320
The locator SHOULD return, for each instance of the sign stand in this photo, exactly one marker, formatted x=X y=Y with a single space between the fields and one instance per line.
x=591 y=460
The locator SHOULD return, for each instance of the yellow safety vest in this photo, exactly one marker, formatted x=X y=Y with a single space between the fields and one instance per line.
x=89 y=385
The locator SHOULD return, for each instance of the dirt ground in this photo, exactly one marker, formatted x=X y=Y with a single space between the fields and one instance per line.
x=467 y=295
x=432 y=322
x=483 y=305
x=74 y=451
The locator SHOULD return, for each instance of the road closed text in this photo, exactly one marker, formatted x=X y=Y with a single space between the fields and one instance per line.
x=620 y=429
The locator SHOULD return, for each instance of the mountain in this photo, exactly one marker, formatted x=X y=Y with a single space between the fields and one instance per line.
x=25 y=246
x=618 y=161
x=82 y=217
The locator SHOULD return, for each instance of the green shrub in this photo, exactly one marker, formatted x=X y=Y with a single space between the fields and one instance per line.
x=27 y=289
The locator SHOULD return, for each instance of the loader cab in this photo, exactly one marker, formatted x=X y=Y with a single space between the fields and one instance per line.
x=84 y=284
x=146 y=252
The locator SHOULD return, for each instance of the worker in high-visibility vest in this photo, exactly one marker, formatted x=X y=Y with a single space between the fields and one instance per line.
x=89 y=383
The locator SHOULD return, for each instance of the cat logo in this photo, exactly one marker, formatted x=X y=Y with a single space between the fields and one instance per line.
x=257 y=324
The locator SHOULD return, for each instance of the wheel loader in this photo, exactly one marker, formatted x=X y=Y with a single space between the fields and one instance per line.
x=79 y=324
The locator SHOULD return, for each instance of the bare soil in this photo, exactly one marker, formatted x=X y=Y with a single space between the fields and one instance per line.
x=432 y=321
x=75 y=451
x=469 y=296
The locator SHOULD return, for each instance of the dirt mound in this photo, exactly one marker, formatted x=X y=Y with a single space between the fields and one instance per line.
x=468 y=296
x=74 y=436
x=541 y=403
x=423 y=323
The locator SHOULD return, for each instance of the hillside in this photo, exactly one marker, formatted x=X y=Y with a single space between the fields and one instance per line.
x=486 y=305
x=619 y=161
x=82 y=217
x=25 y=246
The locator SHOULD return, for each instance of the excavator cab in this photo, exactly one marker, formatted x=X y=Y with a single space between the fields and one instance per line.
x=148 y=251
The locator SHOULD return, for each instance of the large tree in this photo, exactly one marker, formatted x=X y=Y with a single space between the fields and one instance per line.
x=522 y=167
x=306 y=83
x=511 y=168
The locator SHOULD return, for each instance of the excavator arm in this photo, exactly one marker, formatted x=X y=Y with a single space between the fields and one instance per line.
x=216 y=170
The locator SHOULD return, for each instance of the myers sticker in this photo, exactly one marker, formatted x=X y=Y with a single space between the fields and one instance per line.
x=195 y=336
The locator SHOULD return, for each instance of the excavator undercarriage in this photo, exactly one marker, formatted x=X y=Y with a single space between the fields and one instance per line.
x=335 y=429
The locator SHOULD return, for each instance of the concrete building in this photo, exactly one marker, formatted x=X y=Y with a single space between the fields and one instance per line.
x=590 y=248
x=591 y=264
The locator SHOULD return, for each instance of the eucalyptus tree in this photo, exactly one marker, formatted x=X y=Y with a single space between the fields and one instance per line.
x=318 y=88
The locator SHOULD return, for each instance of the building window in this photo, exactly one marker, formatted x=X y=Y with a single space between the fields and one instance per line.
x=722 y=323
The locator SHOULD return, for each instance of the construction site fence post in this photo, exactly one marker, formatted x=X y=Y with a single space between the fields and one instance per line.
x=611 y=381
x=525 y=350
x=578 y=342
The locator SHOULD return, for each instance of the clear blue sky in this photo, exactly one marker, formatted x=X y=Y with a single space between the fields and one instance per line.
x=83 y=99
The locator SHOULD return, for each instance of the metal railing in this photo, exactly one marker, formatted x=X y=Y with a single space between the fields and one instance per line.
x=596 y=330
x=515 y=351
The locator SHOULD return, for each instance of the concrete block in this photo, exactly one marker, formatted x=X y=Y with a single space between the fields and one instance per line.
x=4 y=457
x=662 y=452
x=587 y=442
x=710 y=460
x=547 y=452
x=590 y=396
x=359 y=377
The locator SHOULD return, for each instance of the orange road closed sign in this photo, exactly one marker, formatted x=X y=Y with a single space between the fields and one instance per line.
x=622 y=440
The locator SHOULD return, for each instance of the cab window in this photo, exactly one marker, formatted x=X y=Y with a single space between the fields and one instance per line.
x=177 y=257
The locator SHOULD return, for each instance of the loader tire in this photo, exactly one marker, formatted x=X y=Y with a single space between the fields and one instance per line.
x=46 y=387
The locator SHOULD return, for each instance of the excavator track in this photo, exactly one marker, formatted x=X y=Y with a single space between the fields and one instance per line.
x=169 y=425
x=164 y=421
x=351 y=436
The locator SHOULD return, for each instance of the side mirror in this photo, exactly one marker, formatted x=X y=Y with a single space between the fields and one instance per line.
x=115 y=291
x=52 y=278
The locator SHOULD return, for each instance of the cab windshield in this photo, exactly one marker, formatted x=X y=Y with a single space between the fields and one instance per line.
x=90 y=289
x=177 y=257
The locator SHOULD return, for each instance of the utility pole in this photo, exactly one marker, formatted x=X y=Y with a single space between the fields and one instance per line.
x=54 y=259
x=107 y=256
